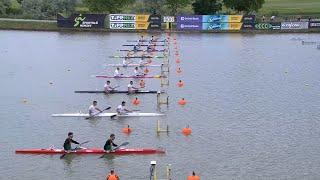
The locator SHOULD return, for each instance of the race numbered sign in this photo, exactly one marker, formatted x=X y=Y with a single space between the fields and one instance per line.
x=168 y=19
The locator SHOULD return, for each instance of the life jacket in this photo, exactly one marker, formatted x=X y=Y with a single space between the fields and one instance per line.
x=193 y=178
x=112 y=177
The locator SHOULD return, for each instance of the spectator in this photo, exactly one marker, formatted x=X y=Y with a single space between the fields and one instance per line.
x=272 y=18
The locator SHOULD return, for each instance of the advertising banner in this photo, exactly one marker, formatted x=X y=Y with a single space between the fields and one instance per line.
x=133 y=17
x=168 y=19
x=155 y=18
x=81 y=21
x=122 y=25
x=235 y=18
x=221 y=26
x=249 y=19
x=122 y=17
x=134 y=25
x=268 y=26
x=189 y=19
x=294 y=25
x=221 y=18
x=189 y=26
x=247 y=26
x=315 y=24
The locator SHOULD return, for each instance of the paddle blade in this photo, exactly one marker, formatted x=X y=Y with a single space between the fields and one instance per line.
x=63 y=155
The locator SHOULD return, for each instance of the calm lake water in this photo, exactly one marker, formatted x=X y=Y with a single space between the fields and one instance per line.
x=253 y=105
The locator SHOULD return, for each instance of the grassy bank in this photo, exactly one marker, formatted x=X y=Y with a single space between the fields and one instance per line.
x=291 y=7
x=28 y=25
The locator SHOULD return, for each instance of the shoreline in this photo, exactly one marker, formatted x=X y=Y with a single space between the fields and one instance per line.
x=39 y=25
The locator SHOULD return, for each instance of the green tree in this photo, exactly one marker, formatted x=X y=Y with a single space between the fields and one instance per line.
x=174 y=5
x=66 y=6
x=246 y=6
x=153 y=6
x=4 y=6
x=110 y=6
x=44 y=9
x=206 y=6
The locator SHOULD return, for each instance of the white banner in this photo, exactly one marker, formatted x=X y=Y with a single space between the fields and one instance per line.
x=294 y=25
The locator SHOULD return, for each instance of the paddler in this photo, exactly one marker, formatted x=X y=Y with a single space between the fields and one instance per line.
x=141 y=39
x=112 y=176
x=131 y=88
x=121 y=109
x=136 y=72
x=109 y=144
x=125 y=61
x=135 y=48
x=193 y=176
x=68 y=141
x=152 y=39
x=93 y=109
x=149 y=49
x=117 y=73
x=108 y=88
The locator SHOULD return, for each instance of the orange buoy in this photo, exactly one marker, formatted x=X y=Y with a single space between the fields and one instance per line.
x=142 y=84
x=178 y=61
x=180 y=83
x=146 y=70
x=127 y=130
x=136 y=101
x=187 y=130
x=182 y=102
x=179 y=70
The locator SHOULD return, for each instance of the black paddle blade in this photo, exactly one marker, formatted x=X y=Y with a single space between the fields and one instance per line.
x=62 y=156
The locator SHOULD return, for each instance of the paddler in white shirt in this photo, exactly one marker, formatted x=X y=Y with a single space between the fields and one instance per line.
x=108 y=88
x=131 y=88
x=93 y=109
x=121 y=109
x=117 y=73
x=137 y=72
x=142 y=61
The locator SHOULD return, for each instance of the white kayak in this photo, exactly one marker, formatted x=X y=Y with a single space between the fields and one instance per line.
x=133 y=114
x=134 y=65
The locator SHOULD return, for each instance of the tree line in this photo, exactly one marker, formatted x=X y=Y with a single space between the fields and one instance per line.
x=46 y=9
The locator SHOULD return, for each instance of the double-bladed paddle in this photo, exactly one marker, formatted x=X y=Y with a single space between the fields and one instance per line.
x=62 y=156
x=98 y=113
x=123 y=144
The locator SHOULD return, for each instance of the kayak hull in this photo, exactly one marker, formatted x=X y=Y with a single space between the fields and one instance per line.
x=123 y=151
x=133 y=114
x=134 y=65
x=137 y=77
x=122 y=92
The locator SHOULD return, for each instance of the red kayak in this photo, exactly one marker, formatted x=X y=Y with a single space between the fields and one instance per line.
x=92 y=151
